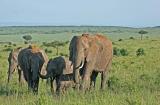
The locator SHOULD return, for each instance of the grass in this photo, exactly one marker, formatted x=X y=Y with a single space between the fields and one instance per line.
x=134 y=80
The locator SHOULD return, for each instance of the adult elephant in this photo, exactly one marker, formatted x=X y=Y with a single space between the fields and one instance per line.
x=31 y=61
x=13 y=65
x=94 y=54
x=59 y=69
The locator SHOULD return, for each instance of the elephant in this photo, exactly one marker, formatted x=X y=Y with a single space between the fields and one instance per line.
x=94 y=54
x=31 y=61
x=13 y=64
x=61 y=70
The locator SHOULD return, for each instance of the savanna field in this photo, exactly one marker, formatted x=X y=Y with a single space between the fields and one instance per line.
x=133 y=80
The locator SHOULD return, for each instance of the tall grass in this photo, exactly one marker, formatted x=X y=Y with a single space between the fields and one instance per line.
x=132 y=80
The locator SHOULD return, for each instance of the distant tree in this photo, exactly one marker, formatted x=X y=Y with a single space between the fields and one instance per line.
x=55 y=44
x=27 y=38
x=141 y=32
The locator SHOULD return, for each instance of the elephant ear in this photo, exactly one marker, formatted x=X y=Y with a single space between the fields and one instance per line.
x=72 y=47
x=85 y=41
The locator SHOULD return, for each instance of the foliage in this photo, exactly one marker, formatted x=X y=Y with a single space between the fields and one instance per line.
x=131 y=37
x=120 y=52
x=48 y=51
x=140 y=52
x=116 y=51
x=124 y=52
x=62 y=54
x=7 y=49
x=142 y=32
x=133 y=80
x=56 y=44
x=120 y=39
x=27 y=37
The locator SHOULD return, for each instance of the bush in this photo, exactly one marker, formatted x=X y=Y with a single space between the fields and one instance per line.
x=14 y=45
x=25 y=42
x=48 y=51
x=120 y=52
x=140 y=52
x=116 y=51
x=27 y=37
x=124 y=52
x=131 y=37
x=113 y=43
x=62 y=54
x=10 y=43
x=5 y=45
x=120 y=39
x=8 y=49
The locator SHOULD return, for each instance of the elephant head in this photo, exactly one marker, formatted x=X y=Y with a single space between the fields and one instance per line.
x=78 y=54
x=50 y=67
x=13 y=62
x=54 y=67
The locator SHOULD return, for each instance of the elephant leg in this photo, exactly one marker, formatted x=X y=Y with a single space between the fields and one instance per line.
x=30 y=82
x=35 y=85
x=93 y=79
x=52 y=85
x=58 y=85
x=21 y=77
x=104 y=75
x=85 y=80
x=103 y=79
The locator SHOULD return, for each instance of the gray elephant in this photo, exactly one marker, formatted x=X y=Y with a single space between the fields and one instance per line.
x=94 y=54
x=31 y=61
x=13 y=64
x=61 y=70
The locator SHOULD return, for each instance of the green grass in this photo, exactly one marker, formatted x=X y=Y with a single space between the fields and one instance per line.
x=134 y=80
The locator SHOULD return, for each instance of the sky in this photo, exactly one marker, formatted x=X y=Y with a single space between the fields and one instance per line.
x=132 y=13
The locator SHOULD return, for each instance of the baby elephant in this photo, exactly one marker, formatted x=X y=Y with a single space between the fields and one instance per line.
x=59 y=69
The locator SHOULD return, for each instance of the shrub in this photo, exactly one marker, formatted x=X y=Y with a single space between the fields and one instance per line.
x=25 y=42
x=62 y=54
x=116 y=51
x=14 y=45
x=113 y=43
x=140 y=52
x=124 y=52
x=27 y=37
x=120 y=39
x=120 y=52
x=48 y=51
x=9 y=43
x=8 y=49
x=131 y=37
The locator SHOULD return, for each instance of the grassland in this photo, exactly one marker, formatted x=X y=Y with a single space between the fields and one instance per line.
x=134 y=80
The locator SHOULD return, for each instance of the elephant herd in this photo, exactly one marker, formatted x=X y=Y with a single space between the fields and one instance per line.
x=88 y=56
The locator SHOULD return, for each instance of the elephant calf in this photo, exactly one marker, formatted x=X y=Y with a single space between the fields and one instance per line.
x=59 y=69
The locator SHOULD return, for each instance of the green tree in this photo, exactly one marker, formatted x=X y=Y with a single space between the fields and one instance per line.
x=27 y=38
x=142 y=32
x=55 y=44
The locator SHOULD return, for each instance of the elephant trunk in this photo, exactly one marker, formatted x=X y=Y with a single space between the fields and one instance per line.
x=45 y=76
x=9 y=77
x=10 y=72
x=77 y=66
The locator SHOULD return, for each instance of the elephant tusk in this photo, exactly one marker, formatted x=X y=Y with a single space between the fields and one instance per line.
x=81 y=66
